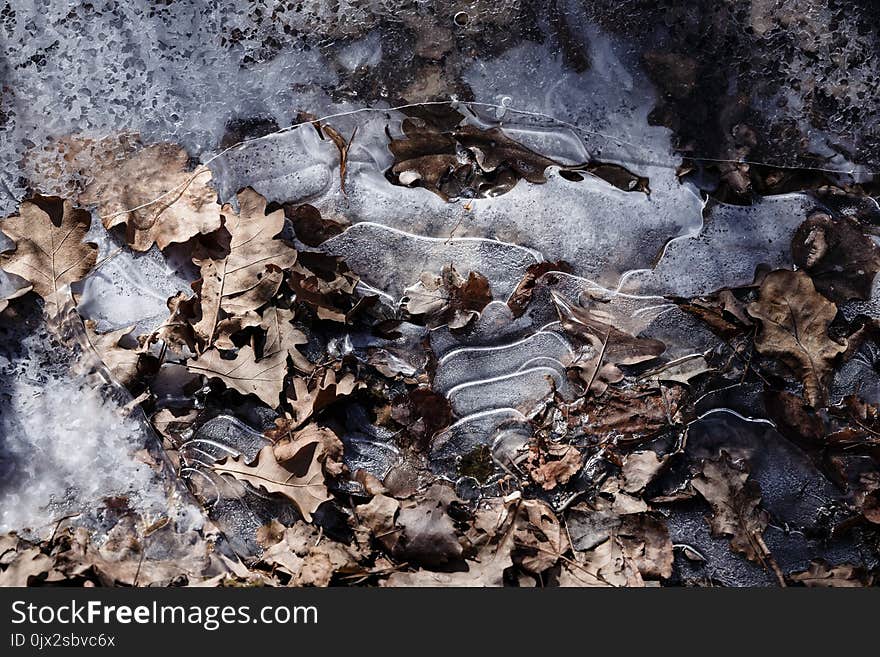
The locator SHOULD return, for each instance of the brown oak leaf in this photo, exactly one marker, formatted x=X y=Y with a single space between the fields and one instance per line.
x=156 y=196
x=49 y=249
x=794 y=329
x=299 y=480
x=263 y=378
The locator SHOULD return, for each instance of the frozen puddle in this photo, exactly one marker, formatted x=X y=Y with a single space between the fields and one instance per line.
x=67 y=446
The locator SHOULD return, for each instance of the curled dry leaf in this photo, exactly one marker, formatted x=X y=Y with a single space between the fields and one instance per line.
x=325 y=283
x=317 y=392
x=122 y=362
x=794 y=329
x=522 y=295
x=554 y=464
x=251 y=272
x=49 y=249
x=607 y=346
x=300 y=479
x=311 y=228
x=449 y=161
x=290 y=442
x=154 y=194
x=263 y=378
x=841 y=260
x=447 y=298
x=822 y=574
x=177 y=331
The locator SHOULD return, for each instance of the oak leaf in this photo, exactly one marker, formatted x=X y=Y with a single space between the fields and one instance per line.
x=822 y=574
x=312 y=395
x=794 y=329
x=538 y=537
x=736 y=508
x=122 y=362
x=281 y=335
x=250 y=273
x=263 y=378
x=304 y=485
x=155 y=195
x=49 y=249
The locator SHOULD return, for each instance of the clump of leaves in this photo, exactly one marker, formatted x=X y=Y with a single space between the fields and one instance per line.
x=838 y=256
x=607 y=346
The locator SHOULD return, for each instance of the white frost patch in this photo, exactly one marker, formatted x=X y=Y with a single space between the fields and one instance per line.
x=64 y=449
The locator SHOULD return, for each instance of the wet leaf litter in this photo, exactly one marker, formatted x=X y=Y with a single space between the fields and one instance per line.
x=368 y=367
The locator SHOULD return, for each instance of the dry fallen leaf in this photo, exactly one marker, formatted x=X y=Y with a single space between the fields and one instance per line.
x=822 y=574
x=605 y=565
x=313 y=394
x=263 y=378
x=304 y=485
x=155 y=195
x=281 y=335
x=49 y=249
x=640 y=469
x=290 y=443
x=250 y=274
x=608 y=347
x=552 y=464
x=378 y=517
x=736 y=512
x=840 y=258
x=428 y=533
x=538 y=537
x=122 y=362
x=448 y=298
x=447 y=162
x=794 y=328
x=493 y=556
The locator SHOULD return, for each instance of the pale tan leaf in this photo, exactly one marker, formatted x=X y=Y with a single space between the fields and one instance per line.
x=155 y=195
x=49 y=249
x=122 y=363
x=281 y=335
x=305 y=488
x=263 y=378
x=249 y=275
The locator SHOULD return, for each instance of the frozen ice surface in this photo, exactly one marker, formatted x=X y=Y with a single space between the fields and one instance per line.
x=468 y=364
x=733 y=241
x=391 y=260
x=132 y=289
x=485 y=429
x=65 y=446
x=168 y=72
x=578 y=222
x=607 y=104
x=522 y=390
